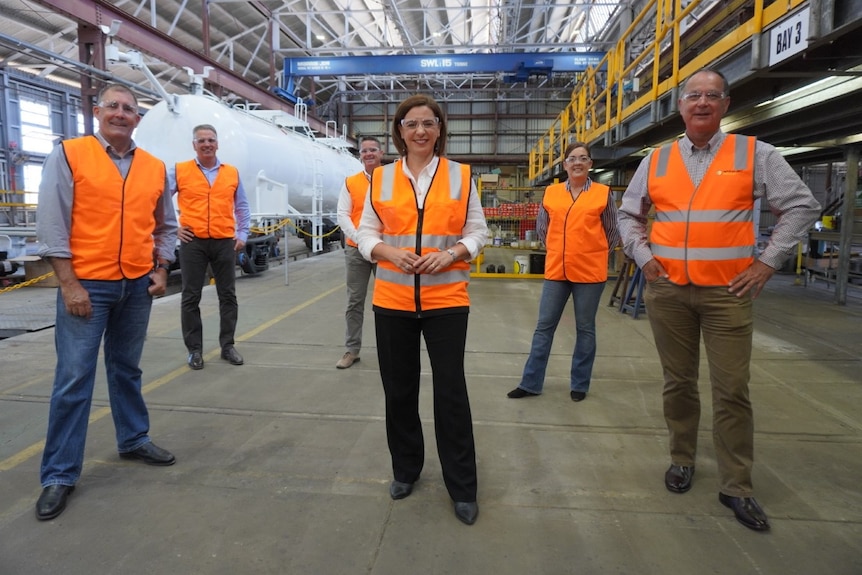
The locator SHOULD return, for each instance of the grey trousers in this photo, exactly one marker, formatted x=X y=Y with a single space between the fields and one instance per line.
x=359 y=271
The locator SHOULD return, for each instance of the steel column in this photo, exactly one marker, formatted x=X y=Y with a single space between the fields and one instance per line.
x=91 y=51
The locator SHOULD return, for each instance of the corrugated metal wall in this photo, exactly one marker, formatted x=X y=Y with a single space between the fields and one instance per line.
x=485 y=129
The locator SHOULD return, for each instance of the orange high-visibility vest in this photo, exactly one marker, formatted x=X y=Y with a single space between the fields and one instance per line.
x=113 y=219
x=704 y=235
x=437 y=226
x=208 y=211
x=576 y=240
x=357 y=186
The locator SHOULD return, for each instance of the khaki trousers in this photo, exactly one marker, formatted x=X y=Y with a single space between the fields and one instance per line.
x=679 y=315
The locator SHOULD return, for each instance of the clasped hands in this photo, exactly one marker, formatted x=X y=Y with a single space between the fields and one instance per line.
x=430 y=263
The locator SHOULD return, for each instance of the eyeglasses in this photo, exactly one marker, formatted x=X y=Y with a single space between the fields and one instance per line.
x=369 y=150
x=114 y=106
x=572 y=159
x=710 y=96
x=206 y=141
x=427 y=124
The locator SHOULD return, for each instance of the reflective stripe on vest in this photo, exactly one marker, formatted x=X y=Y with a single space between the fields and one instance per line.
x=455 y=183
x=207 y=210
x=436 y=227
x=704 y=236
x=112 y=223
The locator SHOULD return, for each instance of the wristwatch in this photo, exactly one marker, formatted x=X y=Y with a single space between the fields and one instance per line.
x=451 y=252
x=166 y=267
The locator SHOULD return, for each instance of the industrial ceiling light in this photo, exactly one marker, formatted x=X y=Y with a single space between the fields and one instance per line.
x=112 y=30
x=797 y=91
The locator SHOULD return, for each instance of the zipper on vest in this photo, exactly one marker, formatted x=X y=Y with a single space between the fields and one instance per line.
x=417 y=290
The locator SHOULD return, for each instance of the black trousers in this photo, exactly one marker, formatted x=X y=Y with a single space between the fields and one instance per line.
x=195 y=256
x=398 y=353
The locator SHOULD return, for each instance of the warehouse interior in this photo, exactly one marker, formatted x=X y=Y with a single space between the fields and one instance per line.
x=563 y=491
x=519 y=81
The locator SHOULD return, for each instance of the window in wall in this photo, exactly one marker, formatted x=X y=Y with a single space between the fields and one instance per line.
x=32 y=179
x=36 y=135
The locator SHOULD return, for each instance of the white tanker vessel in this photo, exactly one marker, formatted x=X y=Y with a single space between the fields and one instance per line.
x=285 y=170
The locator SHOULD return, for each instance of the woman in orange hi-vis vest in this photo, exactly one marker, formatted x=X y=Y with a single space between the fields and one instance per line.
x=578 y=224
x=421 y=222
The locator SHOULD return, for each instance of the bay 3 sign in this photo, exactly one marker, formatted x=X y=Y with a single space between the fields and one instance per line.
x=789 y=37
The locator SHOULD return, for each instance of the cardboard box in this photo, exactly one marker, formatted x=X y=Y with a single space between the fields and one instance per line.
x=34 y=266
x=821 y=263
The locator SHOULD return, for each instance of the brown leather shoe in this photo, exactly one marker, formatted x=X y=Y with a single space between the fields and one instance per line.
x=747 y=511
x=678 y=478
x=348 y=359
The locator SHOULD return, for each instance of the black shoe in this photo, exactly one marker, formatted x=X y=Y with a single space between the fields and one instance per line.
x=518 y=393
x=232 y=355
x=678 y=478
x=747 y=511
x=52 y=502
x=151 y=454
x=400 y=490
x=579 y=395
x=467 y=512
x=196 y=360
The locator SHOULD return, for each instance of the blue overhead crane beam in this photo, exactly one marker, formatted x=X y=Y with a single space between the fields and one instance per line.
x=518 y=66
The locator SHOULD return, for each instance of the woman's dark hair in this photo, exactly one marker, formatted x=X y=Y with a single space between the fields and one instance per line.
x=407 y=105
x=574 y=145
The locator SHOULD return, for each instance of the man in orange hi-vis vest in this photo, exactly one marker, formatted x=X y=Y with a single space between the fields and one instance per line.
x=107 y=226
x=359 y=270
x=214 y=226
x=702 y=275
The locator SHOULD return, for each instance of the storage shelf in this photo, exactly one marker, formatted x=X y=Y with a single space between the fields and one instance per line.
x=519 y=248
x=526 y=218
x=507 y=275
x=505 y=256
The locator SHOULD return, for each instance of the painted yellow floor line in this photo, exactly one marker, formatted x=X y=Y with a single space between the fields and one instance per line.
x=37 y=448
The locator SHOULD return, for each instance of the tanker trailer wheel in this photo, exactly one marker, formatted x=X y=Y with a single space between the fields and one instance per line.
x=255 y=257
x=306 y=235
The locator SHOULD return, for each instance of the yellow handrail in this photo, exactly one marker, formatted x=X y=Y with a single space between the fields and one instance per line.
x=597 y=108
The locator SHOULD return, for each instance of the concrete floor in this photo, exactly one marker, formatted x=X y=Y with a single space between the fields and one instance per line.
x=282 y=465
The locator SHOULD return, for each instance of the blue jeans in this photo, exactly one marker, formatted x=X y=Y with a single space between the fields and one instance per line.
x=121 y=313
x=555 y=294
